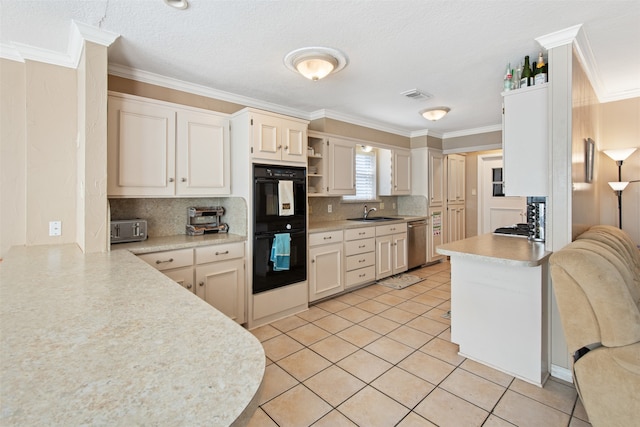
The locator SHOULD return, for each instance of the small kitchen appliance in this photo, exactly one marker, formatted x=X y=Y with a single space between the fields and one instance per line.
x=205 y=220
x=128 y=230
x=536 y=217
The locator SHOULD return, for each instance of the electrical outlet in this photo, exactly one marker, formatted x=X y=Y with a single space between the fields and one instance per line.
x=381 y=205
x=329 y=208
x=55 y=228
x=394 y=206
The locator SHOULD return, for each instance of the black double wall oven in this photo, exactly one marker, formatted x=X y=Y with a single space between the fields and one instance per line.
x=280 y=208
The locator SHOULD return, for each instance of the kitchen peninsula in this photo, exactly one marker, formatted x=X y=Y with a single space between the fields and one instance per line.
x=499 y=303
x=106 y=339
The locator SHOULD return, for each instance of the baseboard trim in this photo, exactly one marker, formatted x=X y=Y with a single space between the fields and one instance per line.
x=562 y=373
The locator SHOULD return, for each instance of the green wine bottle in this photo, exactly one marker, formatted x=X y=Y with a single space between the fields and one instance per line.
x=525 y=80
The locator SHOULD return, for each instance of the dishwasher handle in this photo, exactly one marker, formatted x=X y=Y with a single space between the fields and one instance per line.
x=420 y=223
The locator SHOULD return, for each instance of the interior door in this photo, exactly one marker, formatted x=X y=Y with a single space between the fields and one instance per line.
x=495 y=209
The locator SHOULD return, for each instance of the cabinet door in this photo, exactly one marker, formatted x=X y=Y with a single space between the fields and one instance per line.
x=401 y=172
x=182 y=276
x=525 y=142
x=222 y=284
x=436 y=178
x=384 y=257
x=267 y=140
x=141 y=142
x=295 y=141
x=342 y=167
x=455 y=178
x=400 y=256
x=202 y=154
x=455 y=223
x=325 y=271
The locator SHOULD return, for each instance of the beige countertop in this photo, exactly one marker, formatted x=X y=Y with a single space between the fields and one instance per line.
x=509 y=250
x=106 y=339
x=343 y=224
x=181 y=241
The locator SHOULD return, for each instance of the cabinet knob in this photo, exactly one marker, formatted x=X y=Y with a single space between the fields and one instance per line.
x=286 y=147
x=201 y=283
x=183 y=179
x=189 y=286
x=162 y=262
x=312 y=261
x=171 y=179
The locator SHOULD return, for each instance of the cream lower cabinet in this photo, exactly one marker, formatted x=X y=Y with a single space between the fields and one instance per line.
x=455 y=222
x=391 y=250
x=220 y=278
x=360 y=256
x=177 y=265
x=325 y=264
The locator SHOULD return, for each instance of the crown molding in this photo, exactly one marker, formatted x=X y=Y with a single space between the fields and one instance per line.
x=358 y=121
x=94 y=34
x=559 y=38
x=10 y=52
x=473 y=131
x=38 y=54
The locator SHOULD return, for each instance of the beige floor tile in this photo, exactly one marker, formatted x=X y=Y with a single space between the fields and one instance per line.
x=525 y=412
x=373 y=306
x=369 y=407
x=577 y=422
x=314 y=313
x=446 y=306
x=410 y=336
x=580 y=412
x=494 y=421
x=296 y=407
x=398 y=315
x=276 y=381
x=308 y=334
x=380 y=289
x=268 y=361
x=445 y=335
x=407 y=293
x=487 y=373
x=474 y=389
x=289 y=323
x=281 y=346
x=389 y=350
x=444 y=350
x=431 y=284
x=403 y=387
x=380 y=325
x=414 y=420
x=265 y=332
x=413 y=307
x=333 y=323
x=429 y=300
x=335 y=385
x=332 y=305
x=389 y=299
x=442 y=277
x=364 y=365
x=439 y=293
x=351 y=299
x=303 y=364
x=428 y=326
x=334 y=419
x=359 y=335
x=333 y=348
x=371 y=291
x=354 y=314
x=446 y=410
x=426 y=367
x=261 y=419
x=436 y=314
x=559 y=396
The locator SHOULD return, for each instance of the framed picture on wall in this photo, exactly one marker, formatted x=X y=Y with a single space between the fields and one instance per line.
x=590 y=147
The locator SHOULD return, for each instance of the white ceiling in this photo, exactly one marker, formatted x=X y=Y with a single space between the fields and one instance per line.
x=455 y=50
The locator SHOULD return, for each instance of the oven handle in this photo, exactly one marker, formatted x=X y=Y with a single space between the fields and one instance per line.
x=270 y=234
x=275 y=180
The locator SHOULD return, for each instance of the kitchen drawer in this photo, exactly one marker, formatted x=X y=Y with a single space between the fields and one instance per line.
x=359 y=246
x=222 y=252
x=361 y=260
x=169 y=259
x=383 y=230
x=316 y=239
x=359 y=276
x=359 y=233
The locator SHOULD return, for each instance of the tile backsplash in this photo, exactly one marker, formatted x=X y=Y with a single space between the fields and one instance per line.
x=342 y=210
x=168 y=217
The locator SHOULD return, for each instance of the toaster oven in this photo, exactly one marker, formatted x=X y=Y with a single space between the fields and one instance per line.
x=128 y=230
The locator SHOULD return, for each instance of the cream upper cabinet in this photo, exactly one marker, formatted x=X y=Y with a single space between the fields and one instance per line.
x=342 y=167
x=394 y=172
x=436 y=178
x=525 y=141
x=455 y=178
x=276 y=138
x=427 y=175
x=158 y=149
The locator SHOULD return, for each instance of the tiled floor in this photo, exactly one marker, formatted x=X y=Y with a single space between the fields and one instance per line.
x=383 y=357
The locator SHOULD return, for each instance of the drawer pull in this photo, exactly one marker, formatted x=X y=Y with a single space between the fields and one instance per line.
x=361 y=233
x=327 y=238
x=362 y=260
x=162 y=262
x=362 y=275
x=222 y=253
x=362 y=246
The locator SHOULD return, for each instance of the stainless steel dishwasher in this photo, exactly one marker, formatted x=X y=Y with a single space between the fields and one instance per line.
x=417 y=242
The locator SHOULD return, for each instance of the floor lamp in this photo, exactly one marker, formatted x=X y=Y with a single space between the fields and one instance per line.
x=618 y=186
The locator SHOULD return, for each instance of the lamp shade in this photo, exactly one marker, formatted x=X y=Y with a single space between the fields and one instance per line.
x=618 y=185
x=620 y=154
x=434 y=114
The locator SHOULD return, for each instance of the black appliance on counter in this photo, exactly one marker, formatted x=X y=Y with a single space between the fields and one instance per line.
x=279 y=206
x=536 y=218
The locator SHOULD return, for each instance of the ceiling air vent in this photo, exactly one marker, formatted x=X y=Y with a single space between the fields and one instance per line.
x=416 y=94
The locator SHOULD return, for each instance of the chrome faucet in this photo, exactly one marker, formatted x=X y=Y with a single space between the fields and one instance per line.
x=367 y=212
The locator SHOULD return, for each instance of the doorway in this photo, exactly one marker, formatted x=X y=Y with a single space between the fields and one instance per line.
x=494 y=208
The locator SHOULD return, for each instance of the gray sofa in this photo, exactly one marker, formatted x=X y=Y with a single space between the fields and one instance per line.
x=596 y=281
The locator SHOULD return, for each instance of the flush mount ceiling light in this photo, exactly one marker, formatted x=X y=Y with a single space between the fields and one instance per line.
x=315 y=63
x=178 y=4
x=434 y=114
